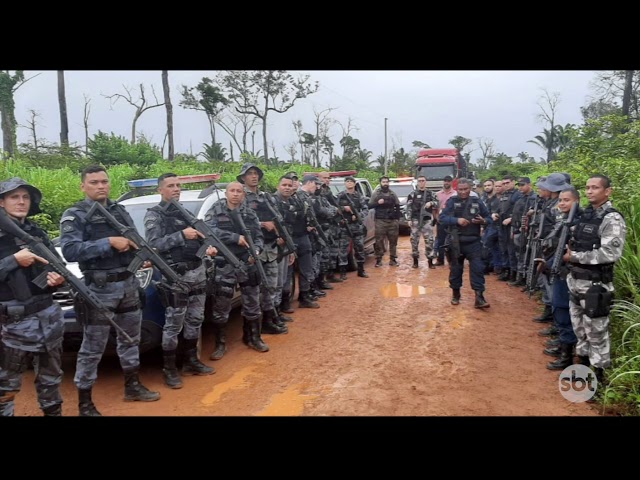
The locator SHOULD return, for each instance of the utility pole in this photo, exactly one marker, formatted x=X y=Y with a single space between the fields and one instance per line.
x=386 y=160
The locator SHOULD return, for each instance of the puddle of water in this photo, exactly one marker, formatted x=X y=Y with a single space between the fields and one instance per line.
x=237 y=380
x=288 y=403
x=401 y=290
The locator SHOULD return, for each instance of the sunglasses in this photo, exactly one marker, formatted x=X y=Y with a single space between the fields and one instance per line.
x=521 y=184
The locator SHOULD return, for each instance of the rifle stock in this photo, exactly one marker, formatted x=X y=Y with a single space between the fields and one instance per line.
x=281 y=227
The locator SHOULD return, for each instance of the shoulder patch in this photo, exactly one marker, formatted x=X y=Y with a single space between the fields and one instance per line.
x=616 y=242
x=67 y=228
x=67 y=219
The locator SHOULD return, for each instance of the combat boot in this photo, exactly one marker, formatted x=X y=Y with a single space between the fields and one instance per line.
x=281 y=317
x=361 y=272
x=255 y=341
x=269 y=326
x=584 y=360
x=504 y=276
x=553 y=342
x=322 y=284
x=285 y=304
x=430 y=262
x=455 y=299
x=191 y=364
x=221 y=341
x=566 y=358
x=600 y=375
x=343 y=273
x=378 y=262
x=170 y=371
x=85 y=404
x=518 y=282
x=546 y=317
x=480 y=301
x=331 y=277
x=415 y=262
x=553 y=351
x=53 y=410
x=393 y=262
x=306 y=301
x=552 y=331
x=134 y=391
x=317 y=291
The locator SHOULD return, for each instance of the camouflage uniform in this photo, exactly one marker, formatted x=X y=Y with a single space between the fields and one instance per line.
x=597 y=243
x=415 y=204
x=35 y=335
x=356 y=228
x=105 y=272
x=336 y=231
x=219 y=217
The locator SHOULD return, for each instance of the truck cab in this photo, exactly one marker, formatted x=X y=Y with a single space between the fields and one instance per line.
x=437 y=163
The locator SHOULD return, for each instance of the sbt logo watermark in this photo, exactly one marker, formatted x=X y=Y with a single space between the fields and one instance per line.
x=577 y=383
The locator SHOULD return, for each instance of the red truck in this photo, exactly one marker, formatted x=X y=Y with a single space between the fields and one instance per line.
x=437 y=163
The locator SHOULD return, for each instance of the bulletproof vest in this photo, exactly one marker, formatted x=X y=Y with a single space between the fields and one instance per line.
x=344 y=202
x=386 y=211
x=419 y=199
x=258 y=203
x=10 y=245
x=288 y=212
x=468 y=209
x=173 y=222
x=505 y=207
x=98 y=228
x=550 y=212
x=299 y=223
x=226 y=223
x=585 y=235
x=520 y=208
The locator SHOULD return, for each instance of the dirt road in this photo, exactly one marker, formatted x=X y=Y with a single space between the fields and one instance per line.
x=387 y=345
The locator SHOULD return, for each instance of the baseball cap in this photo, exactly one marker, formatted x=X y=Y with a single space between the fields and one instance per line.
x=448 y=178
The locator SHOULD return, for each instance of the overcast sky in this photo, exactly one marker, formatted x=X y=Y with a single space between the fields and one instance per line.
x=430 y=106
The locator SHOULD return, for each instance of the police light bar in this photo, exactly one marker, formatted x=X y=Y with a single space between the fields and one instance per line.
x=402 y=179
x=153 y=182
x=344 y=173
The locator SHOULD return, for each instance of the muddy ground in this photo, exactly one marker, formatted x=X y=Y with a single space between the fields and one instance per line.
x=387 y=345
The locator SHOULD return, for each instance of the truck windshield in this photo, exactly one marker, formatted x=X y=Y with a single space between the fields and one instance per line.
x=139 y=210
x=435 y=172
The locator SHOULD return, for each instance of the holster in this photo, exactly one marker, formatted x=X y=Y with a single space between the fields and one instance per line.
x=169 y=297
x=597 y=301
x=253 y=277
x=224 y=288
x=80 y=308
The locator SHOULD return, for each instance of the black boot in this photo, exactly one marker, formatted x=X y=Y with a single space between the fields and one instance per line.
x=285 y=304
x=191 y=364
x=331 y=277
x=518 y=282
x=552 y=331
x=269 y=326
x=221 y=341
x=170 y=371
x=455 y=299
x=255 y=341
x=600 y=375
x=322 y=284
x=306 y=301
x=584 y=360
x=566 y=358
x=553 y=351
x=546 y=317
x=361 y=272
x=504 y=276
x=393 y=262
x=415 y=262
x=317 y=291
x=134 y=391
x=378 y=262
x=430 y=262
x=480 y=301
x=554 y=342
x=281 y=317
x=85 y=404
x=343 y=273
x=53 y=410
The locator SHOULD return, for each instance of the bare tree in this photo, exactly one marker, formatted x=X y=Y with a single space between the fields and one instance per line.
x=31 y=125
x=488 y=151
x=62 y=102
x=169 y=108
x=230 y=124
x=297 y=126
x=87 y=111
x=141 y=105
x=548 y=103
x=626 y=95
x=9 y=84
x=292 y=149
x=323 y=123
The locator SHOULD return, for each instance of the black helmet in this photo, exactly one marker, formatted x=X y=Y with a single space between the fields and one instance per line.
x=245 y=169
x=16 y=182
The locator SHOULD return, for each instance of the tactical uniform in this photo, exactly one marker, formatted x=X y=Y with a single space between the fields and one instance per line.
x=329 y=217
x=185 y=311
x=507 y=247
x=105 y=272
x=336 y=230
x=387 y=223
x=490 y=238
x=219 y=217
x=32 y=324
x=421 y=223
x=597 y=243
x=520 y=209
x=356 y=228
x=470 y=245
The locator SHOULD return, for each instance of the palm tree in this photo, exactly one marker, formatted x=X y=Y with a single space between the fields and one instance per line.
x=547 y=141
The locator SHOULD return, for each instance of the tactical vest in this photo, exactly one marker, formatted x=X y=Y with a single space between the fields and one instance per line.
x=344 y=202
x=99 y=228
x=226 y=223
x=468 y=209
x=288 y=212
x=419 y=199
x=10 y=245
x=386 y=211
x=505 y=207
x=585 y=235
x=299 y=224
x=550 y=213
x=174 y=222
x=259 y=205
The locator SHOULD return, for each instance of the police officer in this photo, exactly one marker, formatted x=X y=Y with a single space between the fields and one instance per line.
x=167 y=231
x=597 y=243
x=250 y=175
x=423 y=206
x=103 y=256
x=520 y=227
x=355 y=209
x=335 y=228
x=387 y=219
x=508 y=199
x=221 y=218
x=466 y=214
x=31 y=321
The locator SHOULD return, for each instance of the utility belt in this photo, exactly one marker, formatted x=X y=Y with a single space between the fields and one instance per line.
x=102 y=277
x=17 y=313
x=183 y=267
x=597 y=300
x=602 y=273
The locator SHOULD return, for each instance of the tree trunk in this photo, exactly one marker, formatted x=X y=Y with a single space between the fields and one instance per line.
x=8 y=131
x=231 y=150
x=62 y=101
x=626 y=96
x=169 y=107
x=264 y=137
x=133 y=127
x=212 y=130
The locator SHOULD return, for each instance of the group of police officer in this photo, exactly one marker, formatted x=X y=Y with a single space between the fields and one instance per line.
x=261 y=239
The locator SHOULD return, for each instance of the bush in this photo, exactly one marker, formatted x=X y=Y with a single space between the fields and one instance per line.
x=109 y=150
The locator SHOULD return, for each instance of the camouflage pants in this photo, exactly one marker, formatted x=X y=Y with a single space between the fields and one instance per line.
x=266 y=298
x=15 y=358
x=115 y=295
x=333 y=251
x=592 y=333
x=343 y=246
x=426 y=233
x=316 y=262
x=386 y=229
x=284 y=280
x=190 y=317
x=226 y=279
